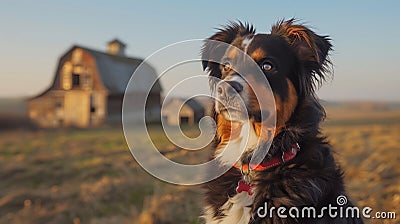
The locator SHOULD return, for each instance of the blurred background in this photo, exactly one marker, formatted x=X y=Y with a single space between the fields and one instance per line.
x=64 y=68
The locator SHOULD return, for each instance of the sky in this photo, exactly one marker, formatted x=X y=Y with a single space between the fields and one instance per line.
x=34 y=34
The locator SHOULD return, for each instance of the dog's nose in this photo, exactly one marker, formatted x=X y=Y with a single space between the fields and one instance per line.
x=229 y=88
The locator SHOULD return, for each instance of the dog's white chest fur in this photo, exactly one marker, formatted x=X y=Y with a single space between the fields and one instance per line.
x=247 y=140
x=238 y=208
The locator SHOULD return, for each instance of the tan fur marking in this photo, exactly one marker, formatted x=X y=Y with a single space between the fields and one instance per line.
x=232 y=52
x=285 y=109
x=265 y=129
x=227 y=130
x=258 y=54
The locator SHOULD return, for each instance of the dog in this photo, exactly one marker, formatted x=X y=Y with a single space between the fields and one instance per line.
x=298 y=170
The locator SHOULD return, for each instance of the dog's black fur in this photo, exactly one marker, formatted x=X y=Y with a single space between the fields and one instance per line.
x=312 y=178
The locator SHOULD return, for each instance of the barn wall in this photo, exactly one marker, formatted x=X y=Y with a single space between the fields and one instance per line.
x=77 y=108
x=98 y=107
x=82 y=108
x=47 y=110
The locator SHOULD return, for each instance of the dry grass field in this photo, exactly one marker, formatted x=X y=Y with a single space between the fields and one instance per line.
x=89 y=176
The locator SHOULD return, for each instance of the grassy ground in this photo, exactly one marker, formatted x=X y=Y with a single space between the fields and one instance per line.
x=369 y=155
x=84 y=176
x=89 y=176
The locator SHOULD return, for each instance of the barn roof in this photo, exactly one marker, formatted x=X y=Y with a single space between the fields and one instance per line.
x=115 y=71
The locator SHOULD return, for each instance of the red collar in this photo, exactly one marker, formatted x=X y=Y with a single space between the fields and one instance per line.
x=274 y=161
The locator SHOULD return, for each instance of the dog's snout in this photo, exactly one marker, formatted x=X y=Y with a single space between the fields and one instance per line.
x=229 y=88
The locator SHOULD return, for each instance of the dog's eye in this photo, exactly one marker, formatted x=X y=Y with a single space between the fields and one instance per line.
x=267 y=66
x=227 y=66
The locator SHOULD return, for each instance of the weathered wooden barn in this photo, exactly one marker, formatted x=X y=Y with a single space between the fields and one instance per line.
x=88 y=88
x=178 y=111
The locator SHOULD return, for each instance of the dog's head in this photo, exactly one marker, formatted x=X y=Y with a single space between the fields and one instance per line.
x=292 y=58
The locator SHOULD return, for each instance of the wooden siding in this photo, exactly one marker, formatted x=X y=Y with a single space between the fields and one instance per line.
x=78 y=106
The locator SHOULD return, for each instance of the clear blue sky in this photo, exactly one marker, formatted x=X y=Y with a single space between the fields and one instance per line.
x=34 y=34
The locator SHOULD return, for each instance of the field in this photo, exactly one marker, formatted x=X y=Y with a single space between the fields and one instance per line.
x=89 y=176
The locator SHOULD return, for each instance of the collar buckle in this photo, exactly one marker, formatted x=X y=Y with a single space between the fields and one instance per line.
x=245 y=169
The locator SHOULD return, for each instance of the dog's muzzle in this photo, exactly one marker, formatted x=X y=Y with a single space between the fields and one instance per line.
x=231 y=99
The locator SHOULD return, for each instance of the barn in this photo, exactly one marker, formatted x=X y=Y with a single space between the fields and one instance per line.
x=88 y=89
x=179 y=111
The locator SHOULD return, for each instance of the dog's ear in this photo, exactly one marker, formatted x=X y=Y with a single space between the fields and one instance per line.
x=213 y=51
x=311 y=49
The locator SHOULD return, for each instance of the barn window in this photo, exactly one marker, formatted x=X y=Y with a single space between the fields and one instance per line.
x=58 y=104
x=76 y=81
x=184 y=120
